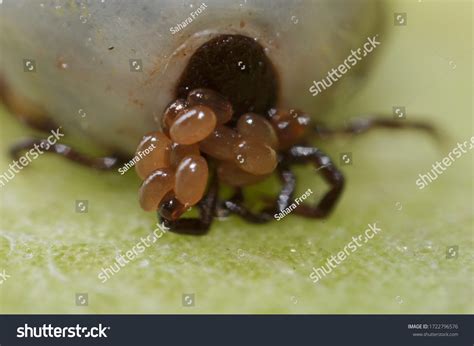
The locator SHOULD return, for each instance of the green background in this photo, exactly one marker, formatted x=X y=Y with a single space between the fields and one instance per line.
x=51 y=252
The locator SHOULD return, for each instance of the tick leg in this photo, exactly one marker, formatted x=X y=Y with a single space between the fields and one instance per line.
x=301 y=155
x=207 y=209
x=362 y=125
x=100 y=163
x=236 y=203
x=237 y=207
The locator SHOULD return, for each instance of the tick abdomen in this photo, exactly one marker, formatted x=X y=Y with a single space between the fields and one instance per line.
x=93 y=91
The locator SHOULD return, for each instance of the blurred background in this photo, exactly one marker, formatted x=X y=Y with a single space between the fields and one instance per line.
x=53 y=253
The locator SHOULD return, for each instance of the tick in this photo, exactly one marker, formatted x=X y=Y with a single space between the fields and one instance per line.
x=226 y=129
x=223 y=101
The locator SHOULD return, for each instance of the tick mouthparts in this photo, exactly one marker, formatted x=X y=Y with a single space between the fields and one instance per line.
x=176 y=172
x=223 y=112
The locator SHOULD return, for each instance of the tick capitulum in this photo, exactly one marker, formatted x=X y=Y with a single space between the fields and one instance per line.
x=197 y=134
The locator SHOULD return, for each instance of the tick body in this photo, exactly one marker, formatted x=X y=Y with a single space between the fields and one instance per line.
x=111 y=97
x=220 y=102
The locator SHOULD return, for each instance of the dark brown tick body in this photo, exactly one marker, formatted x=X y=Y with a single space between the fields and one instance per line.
x=227 y=97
